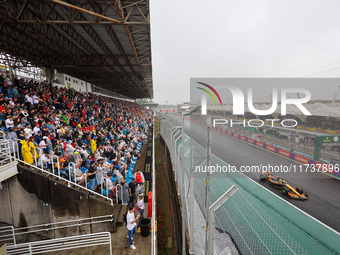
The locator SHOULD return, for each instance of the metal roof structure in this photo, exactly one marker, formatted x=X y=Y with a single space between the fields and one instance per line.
x=105 y=42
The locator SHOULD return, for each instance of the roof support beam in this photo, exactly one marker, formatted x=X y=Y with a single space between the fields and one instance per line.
x=86 y=11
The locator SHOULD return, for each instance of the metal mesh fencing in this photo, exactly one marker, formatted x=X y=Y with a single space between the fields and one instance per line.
x=250 y=221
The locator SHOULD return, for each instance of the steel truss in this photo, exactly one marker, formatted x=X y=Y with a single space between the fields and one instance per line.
x=96 y=40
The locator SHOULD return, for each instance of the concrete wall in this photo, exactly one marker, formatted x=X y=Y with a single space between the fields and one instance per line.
x=30 y=198
x=77 y=84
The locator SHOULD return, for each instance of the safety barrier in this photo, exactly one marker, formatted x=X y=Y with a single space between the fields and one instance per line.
x=9 y=233
x=9 y=152
x=60 y=244
x=69 y=181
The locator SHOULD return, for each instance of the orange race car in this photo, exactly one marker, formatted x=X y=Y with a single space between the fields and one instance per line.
x=286 y=189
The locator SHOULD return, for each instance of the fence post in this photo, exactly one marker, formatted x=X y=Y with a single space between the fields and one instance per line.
x=192 y=205
x=86 y=172
x=39 y=152
x=207 y=187
x=35 y=157
x=53 y=156
x=211 y=217
x=70 y=173
x=121 y=189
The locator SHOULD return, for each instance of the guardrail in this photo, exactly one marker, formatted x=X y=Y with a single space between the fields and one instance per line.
x=9 y=152
x=60 y=244
x=9 y=233
x=248 y=222
x=66 y=180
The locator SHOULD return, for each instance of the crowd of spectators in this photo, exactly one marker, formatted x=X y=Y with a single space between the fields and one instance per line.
x=93 y=132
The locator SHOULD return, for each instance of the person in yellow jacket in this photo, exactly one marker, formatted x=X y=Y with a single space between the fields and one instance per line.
x=93 y=144
x=32 y=148
x=26 y=152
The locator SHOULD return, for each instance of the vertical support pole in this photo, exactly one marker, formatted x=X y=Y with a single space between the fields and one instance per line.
x=163 y=131
x=183 y=189
x=207 y=187
x=211 y=218
x=211 y=230
x=191 y=197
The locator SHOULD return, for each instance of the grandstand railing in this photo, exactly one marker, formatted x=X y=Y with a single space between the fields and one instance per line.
x=2 y=134
x=60 y=244
x=7 y=151
x=247 y=223
x=13 y=154
x=9 y=234
x=8 y=162
x=69 y=183
x=117 y=191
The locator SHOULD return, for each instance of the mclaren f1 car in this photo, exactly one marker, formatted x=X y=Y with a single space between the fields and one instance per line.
x=286 y=189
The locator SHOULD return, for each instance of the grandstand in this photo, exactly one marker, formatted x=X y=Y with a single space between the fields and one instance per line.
x=72 y=137
x=75 y=134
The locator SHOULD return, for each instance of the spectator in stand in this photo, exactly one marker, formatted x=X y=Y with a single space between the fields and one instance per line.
x=36 y=129
x=139 y=176
x=79 y=176
x=63 y=168
x=132 y=191
x=5 y=89
x=92 y=175
x=15 y=92
x=32 y=147
x=35 y=99
x=28 y=129
x=12 y=135
x=43 y=143
x=109 y=185
x=21 y=132
x=126 y=195
x=140 y=204
x=46 y=160
x=29 y=101
x=93 y=144
x=9 y=122
x=140 y=189
x=26 y=151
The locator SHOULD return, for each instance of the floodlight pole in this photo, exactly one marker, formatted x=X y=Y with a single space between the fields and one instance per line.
x=207 y=187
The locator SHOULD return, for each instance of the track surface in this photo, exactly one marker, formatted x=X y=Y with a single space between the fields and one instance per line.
x=323 y=190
